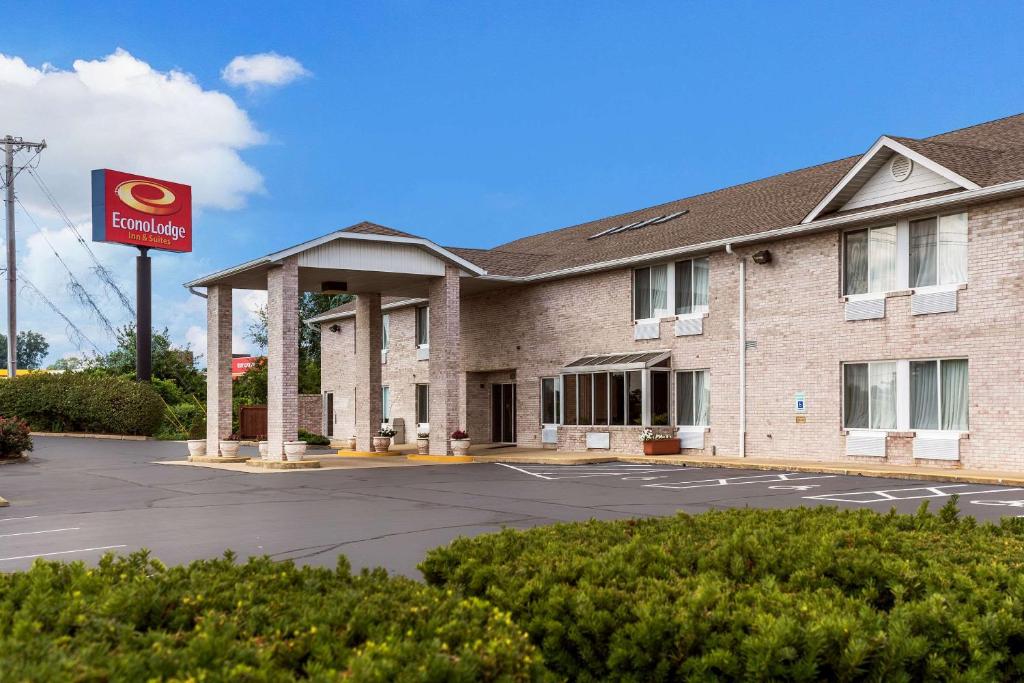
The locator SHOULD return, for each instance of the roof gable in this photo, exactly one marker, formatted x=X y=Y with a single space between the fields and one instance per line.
x=870 y=181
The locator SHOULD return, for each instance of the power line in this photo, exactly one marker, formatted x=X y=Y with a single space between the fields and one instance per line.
x=74 y=285
x=98 y=269
x=73 y=330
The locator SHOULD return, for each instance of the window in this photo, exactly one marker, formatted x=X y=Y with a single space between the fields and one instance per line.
x=601 y=398
x=634 y=397
x=938 y=394
x=385 y=337
x=422 y=403
x=938 y=251
x=617 y=398
x=650 y=292
x=693 y=398
x=550 y=401
x=385 y=400
x=659 y=381
x=584 y=399
x=422 y=326
x=569 y=384
x=614 y=398
x=691 y=295
x=869 y=261
x=869 y=395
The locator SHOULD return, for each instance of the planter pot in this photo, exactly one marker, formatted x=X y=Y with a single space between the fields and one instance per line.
x=662 y=447
x=460 y=446
x=381 y=444
x=229 y=449
x=197 y=446
x=351 y=443
x=294 y=450
x=264 y=448
x=423 y=446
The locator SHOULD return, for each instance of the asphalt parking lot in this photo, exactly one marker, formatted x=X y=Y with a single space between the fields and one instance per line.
x=78 y=498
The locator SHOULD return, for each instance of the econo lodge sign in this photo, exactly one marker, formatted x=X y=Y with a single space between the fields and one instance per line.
x=140 y=211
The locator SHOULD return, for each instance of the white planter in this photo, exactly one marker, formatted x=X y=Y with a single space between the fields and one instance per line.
x=460 y=446
x=197 y=446
x=352 y=443
x=294 y=450
x=423 y=446
x=264 y=448
x=381 y=444
x=229 y=449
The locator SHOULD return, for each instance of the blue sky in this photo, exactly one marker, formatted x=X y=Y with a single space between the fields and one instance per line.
x=474 y=123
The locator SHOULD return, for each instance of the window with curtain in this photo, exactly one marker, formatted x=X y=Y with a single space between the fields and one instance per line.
x=385 y=337
x=385 y=404
x=423 y=326
x=422 y=403
x=869 y=395
x=693 y=398
x=569 y=386
x=550 y=401
x=938 y=394
x=659 y=398
x=650 y=292
x=585 y=399
x=613 y=398
x=869 y=261
x=691 y=285
x=938 y=251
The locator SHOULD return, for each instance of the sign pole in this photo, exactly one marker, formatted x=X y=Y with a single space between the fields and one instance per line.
x=143 y=316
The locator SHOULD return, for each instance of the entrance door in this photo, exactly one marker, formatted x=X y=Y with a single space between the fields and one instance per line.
x=503 y=413
x=329 y=414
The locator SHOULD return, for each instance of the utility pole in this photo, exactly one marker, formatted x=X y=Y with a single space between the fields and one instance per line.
x=12 y=145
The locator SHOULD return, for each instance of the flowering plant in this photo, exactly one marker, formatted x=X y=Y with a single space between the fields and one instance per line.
x=459 y=434
x=422 y=435
x=387 y=431
x=651 y=435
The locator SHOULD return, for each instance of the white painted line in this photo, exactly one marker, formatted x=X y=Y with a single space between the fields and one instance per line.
x=740 y=481
x=47 y=531
x=519 y=469
x=887 y=495
x=1003 y=503
x=62 y=552
x=12 y=519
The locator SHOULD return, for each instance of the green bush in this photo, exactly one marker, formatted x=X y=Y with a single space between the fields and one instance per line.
x=313 y=439
x=133 y=619
x=178 y=419
x=807 y=594
x=82 y=402
x=14 y=437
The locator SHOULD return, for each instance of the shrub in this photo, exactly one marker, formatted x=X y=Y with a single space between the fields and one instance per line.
x=14 y=437
x=133 y=619
x=82 y=402
x=178 y=419
x=313 y=439
x=807 y=594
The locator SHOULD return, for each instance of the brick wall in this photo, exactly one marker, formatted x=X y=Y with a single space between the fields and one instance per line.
x=311 y=413
x=795 y=314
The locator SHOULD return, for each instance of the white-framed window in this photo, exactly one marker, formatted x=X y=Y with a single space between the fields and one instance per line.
x=422 y=326
x=385 y=404
x=693 y=398
x=650 y=292
x=691 y=286
x=939 y=394
x=912 y=254
x=385 y=337
x=869 y=261
x=422 y=403
x=550 y=400
x=869 y=395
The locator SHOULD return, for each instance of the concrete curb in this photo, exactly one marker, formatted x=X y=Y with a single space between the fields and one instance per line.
x=222 y=459
x=368 y=454
x=442 y=459
x=83 y=435
x=283 y=464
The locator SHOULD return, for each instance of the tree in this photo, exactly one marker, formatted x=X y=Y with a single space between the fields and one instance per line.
x=177 y=364
x=32 y=349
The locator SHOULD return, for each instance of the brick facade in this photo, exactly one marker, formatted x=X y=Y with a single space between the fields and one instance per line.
x=218 y=371
x=282 y=356
x=794 y=321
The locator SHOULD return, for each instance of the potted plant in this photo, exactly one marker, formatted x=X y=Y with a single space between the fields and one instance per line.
x=460 y=442
x=294 y=450
x=382 y=441
x=423 y=443
x=229 y=446
x=197 y=436
x=659 y=443
x=263 y=447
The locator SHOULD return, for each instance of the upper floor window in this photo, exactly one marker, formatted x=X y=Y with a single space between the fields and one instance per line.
x=667 y=289
x=938 y=251
x=422 y=326
x=869 y=260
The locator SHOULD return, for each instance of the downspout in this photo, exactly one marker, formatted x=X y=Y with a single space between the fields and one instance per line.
x=743 y=351
x=192 y=290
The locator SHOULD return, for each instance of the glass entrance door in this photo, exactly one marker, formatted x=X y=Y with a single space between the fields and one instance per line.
x=503 y=413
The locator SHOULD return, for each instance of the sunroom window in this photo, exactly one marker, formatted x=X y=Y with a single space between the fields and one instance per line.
x=938 y=251
x=869 y=261
x=617 y=389
x=550 y=401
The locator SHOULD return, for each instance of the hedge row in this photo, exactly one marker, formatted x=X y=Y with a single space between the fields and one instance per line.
x=133 y=619
x=83 y=402
x=803 y=595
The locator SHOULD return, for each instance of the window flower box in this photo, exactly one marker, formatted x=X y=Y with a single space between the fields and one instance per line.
x=662 y=447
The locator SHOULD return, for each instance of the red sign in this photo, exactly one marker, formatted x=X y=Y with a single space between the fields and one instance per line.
x=240 y=366
x=140 y=211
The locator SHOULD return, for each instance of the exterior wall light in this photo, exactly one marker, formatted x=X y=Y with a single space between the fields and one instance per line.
x=335 y=328
x=762 y=257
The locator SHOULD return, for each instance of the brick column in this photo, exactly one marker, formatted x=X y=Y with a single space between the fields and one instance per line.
x=447 y=380
x=218 y=366
x=282 y=356
x=369 y=337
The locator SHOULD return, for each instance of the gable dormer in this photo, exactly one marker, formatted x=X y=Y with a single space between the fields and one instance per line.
x=890 y=171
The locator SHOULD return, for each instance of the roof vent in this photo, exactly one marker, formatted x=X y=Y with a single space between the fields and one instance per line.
x=900 y=168
x=641 y=224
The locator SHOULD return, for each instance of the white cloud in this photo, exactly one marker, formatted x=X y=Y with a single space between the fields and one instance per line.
x=265 y=69
x=118 y=112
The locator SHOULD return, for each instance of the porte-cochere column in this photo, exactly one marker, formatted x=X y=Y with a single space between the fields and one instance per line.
x=447 y=380
x=282 y=356
x=368 y=405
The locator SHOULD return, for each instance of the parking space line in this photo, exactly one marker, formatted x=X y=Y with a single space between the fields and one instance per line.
x=14 y=519
x=740 y=481
x=46 y=531
x=519 y=469
x=62 y=552
x=886 y=495
x=626 y=471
